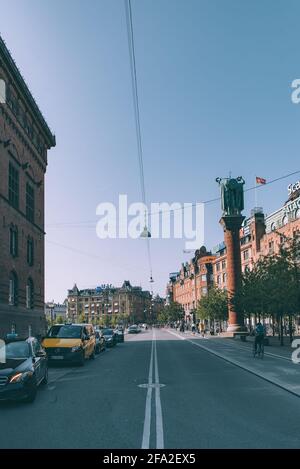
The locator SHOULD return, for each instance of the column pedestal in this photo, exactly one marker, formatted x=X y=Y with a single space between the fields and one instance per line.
x=231 y=225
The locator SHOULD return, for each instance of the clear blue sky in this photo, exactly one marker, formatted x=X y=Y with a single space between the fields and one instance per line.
x=214 y=84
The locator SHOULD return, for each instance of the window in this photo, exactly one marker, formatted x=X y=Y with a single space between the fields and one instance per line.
x=13 y=289
x=203 y=278
x=29 y=294
x=13 y=186
x=246 y=255
x=218 y=267
x=271 y=247
x=30 y=251
x=204 y=290
x=29 y=202
x=224 y=278
x=13 y=241
x=219 y=279
x=223 y=265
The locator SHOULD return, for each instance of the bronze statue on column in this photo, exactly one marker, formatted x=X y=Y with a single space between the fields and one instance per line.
x=232 y=203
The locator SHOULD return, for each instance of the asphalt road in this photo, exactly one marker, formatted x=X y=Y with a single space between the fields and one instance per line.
x=187 y=398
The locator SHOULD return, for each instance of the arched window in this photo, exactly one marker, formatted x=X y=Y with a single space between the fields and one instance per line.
x=273 y=226
x=285 y=220
x=29 y=294
x=13 y=289
x=13 y=240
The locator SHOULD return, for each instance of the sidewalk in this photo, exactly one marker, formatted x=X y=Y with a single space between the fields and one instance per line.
x=276 y=367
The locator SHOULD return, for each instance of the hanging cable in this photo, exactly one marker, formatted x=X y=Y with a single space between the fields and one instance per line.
x=136 y=107
x=205 y=202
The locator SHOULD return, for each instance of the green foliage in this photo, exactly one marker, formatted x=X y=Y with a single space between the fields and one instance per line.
x=60 y=320
x=171 y=313
x=213 y=306
x=273 y=285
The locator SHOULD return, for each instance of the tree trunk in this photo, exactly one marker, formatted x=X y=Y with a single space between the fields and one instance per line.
x=281 y=330
x=273 y=325
x=291 y=328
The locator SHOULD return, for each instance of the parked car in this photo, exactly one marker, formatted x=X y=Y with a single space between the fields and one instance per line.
x=70 y=343
x=100 y=341
x=119 y=331
x=134 y=329
x=25 y=368
x=109 y=336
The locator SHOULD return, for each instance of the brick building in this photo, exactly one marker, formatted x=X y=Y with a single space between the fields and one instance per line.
x=260 y=236
x=24 y=140
x=129 y=301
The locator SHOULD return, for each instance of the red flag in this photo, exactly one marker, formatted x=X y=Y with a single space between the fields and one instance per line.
x=260 y=180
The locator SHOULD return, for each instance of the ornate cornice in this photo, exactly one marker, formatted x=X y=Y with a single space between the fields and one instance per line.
x=8 y=61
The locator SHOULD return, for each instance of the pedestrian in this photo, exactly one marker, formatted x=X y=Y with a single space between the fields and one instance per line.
x=193 y=328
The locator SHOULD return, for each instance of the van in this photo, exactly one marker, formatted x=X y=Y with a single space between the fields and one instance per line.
x=70 y=343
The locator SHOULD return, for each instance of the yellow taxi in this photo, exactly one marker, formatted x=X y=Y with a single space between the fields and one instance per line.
x=70 y=342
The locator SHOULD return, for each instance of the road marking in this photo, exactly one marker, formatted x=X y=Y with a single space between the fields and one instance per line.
x=158 y=412
x=159 y=420
x=147 y=421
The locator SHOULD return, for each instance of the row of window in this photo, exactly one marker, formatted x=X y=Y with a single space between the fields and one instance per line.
x=13 y=297
x=14 y=245
x=219 y=264
x=13 y=193
x=223 y=278
x=22 y=117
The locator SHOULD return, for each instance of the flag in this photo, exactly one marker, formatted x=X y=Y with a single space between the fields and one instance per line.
x=260 y=180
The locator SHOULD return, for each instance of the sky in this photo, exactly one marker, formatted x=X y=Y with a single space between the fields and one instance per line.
x=214 y=83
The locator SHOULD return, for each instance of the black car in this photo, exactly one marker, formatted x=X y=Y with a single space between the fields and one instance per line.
x=110 y=337
x=100 y=341
x=24 y=369
x=119 y=331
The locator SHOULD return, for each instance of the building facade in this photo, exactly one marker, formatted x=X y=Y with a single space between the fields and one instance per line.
x=126 y=303
x=25 y=139
x=194 y=279
x=260 y=236
x=55 y=311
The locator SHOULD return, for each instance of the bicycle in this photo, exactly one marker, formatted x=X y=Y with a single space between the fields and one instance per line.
x=259 y=349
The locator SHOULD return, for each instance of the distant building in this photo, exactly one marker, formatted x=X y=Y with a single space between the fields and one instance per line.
x=130 y=302
x=25 y=139
x=54 y=311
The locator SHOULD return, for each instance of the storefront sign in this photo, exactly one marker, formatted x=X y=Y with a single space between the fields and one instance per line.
x=293 y=187
x=292 y=206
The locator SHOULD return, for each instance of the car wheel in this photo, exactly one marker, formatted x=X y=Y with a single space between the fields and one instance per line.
x=31 y=396
x=45 y=379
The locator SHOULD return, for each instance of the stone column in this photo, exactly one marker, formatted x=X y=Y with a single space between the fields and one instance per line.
x=231 y=225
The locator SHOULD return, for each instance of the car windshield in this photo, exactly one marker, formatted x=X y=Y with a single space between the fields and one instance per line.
x=65 y=332
x=15 y=350
x=108 y=332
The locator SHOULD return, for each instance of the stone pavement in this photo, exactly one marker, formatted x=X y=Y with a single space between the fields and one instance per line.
x=276 y=367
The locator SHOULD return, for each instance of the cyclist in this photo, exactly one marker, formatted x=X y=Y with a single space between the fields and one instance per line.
x=259 y=336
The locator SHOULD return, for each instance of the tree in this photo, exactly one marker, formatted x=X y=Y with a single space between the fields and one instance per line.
x=273 y=286
x=60 y=320
x=213 y=306
x=171 y=313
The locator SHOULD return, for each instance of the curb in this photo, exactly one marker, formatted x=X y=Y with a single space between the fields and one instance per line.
x=242 y=367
